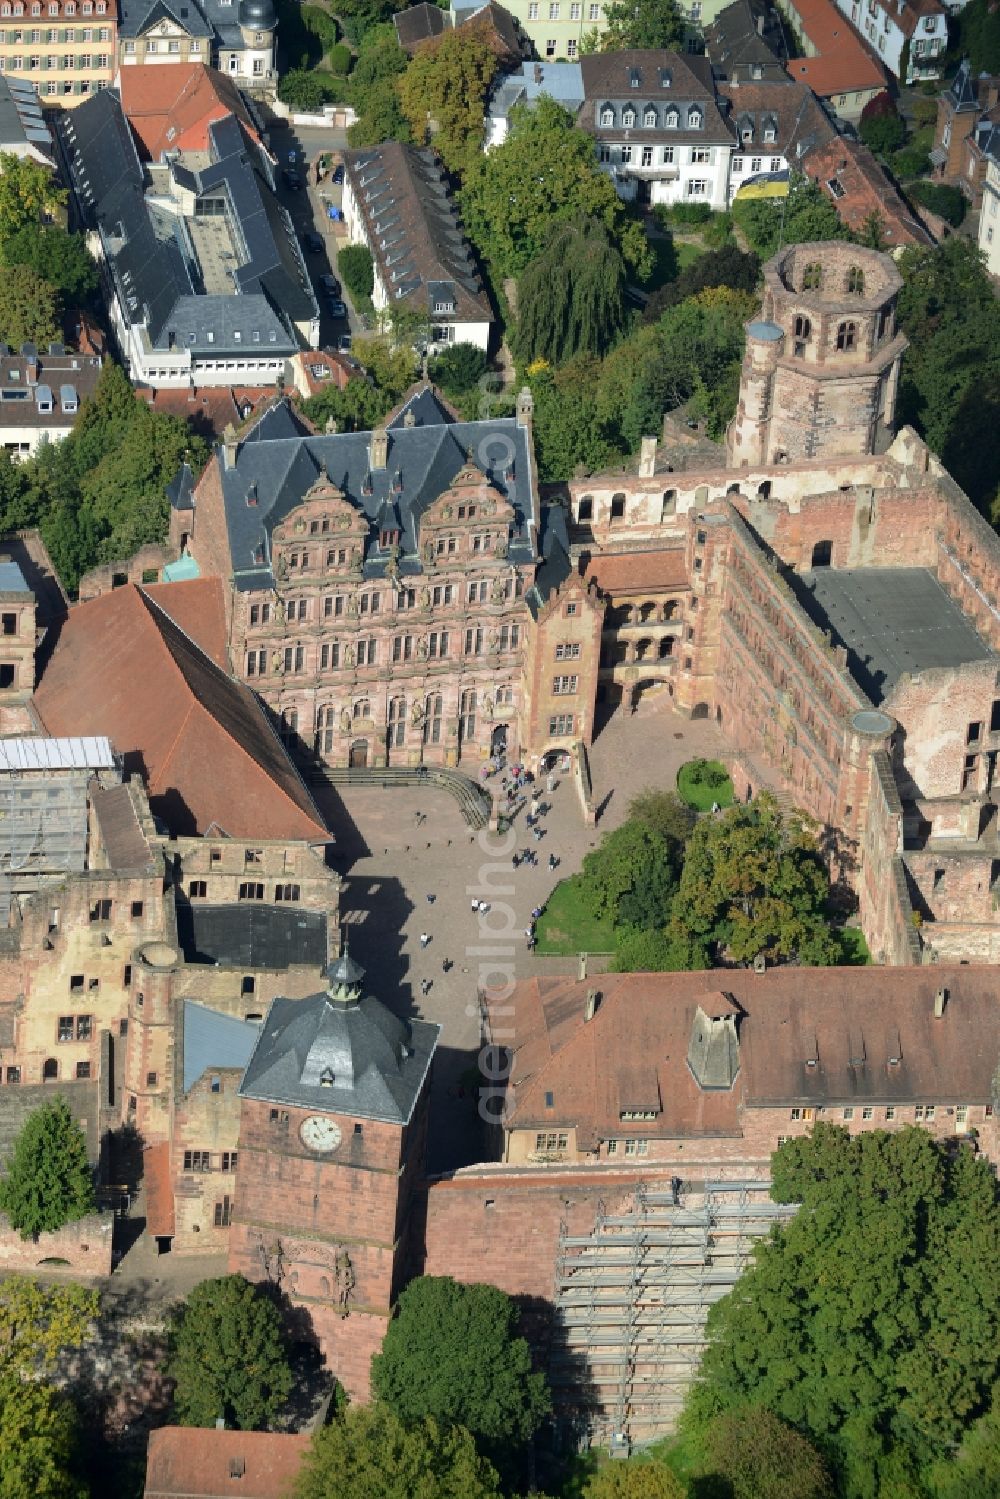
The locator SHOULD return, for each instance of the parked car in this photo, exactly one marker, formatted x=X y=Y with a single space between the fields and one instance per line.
x=338 y=173
x=337 y=308
x=330 y=285
x=344 y=344
x=313 y=242
x=292 y=180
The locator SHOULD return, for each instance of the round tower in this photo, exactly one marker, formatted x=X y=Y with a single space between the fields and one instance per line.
x=821 y=369
x=149 y=1049
x=257 y=24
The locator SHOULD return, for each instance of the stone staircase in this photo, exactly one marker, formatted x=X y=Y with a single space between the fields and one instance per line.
x=475 y=803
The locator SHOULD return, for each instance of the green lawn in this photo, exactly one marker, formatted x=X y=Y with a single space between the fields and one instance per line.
x=856 y=954
x=699 y=794
x=670 y=258
x=568 y=927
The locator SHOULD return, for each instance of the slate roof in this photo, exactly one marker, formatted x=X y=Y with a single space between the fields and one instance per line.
x=891 y=620
x=252 y=935
x=214 y=1040
x=799 y=120
x=423 y=460
x=153 y=265
x=733 y=40
x=418 y=23
x=562 y=81
x=201 y=740
x=849 y=1021
x=644 y=78
x=216 y=19
x=22 y=125
x=413 y=230
x=374 y=1063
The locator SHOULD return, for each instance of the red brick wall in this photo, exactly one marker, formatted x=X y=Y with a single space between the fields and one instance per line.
x=86 y=1247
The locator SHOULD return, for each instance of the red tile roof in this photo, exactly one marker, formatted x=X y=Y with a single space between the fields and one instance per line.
x=866 y=190
x=171 y=108
x=199 y=607
x=209 y=409
x=186 y=1462
x=159 y=1189
x=852 y=1021
x=634 y=572
x=200 y=739
x=843 y=65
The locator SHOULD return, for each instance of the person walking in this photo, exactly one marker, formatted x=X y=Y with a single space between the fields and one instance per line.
x=425 y=987
x=424 y=939
x=475 y=905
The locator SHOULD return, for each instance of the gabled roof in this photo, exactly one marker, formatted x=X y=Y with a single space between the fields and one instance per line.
x=199 y=609
x=187 y=1463
x=201 y=741
x=865 y=189
x=413 y=230
x=171 y=108
x=841 y=64
x=137 y=16
x=418 y=23
x=276 y=472
x=734 y=39
x=799 y=121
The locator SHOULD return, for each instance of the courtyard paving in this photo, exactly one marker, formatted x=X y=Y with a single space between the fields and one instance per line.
x=398 y=848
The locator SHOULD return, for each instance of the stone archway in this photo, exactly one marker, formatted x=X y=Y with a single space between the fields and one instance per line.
x=358 y=759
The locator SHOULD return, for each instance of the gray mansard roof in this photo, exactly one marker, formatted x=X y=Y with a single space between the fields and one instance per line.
x=676 y=86
x=216 y=19
x=156 y=274
x=275 y=472
x=343 y=1056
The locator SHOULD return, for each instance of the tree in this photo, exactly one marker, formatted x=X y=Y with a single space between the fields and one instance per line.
x=803 y=216
x=754 y=882
x=634 y=1480
x=452 y=1353
x=39 y=1442
x=948 y=202
x=458 y=369
x=979 y=36
x=544 y=174
x=443 y=93
x=951 y=371
x=358 y=407
x=228 y=1354
x=663 y=813
x=730 y=266
x=370 y=1454
x=29 y=192
x=632 y=875
x=571 y=436
x=372 y=89
x=646 y=950
x=761 y=1457
x=880 y=126
x=870 y=1321
x=48 y=1181
x=973 y=1472
x=354 y=262
x=38 y=1324
x=648 y=23
x=392 y=367
x=571 y=297
x=306 y=91
x=59 y=258
x=29 y=308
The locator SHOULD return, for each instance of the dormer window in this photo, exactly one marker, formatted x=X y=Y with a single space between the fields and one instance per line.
x=649 y=118
x=634 y=77
x=607 y=117
x=628 y=118
x=666 y=78
x=388 y=538
x=327 y=1078
x=672 y=119
x=695 y=119
x=770 y=134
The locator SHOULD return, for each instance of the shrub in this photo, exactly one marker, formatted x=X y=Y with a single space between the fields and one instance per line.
x=354 y=262
x=305 y=91
x=682 y=213
x=911 y=161
x=949 y=202
x=340 y=59
x=321 y=24
x=458 y=369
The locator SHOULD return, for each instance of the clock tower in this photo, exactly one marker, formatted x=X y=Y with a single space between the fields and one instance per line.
x=333 y=1127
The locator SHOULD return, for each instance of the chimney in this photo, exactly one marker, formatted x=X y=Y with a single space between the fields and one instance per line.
x=593 y=1001
x=940 y=1000
x=581 y=970
x=647 y=458
x=409 y=420
x=525 y=407
x=229 y=446
x=379 y=449
x=331 y=426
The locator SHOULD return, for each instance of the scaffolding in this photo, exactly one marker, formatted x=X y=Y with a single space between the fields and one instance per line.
x=632 y=1298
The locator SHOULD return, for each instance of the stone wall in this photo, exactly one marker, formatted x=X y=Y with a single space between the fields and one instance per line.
x=81 y=1250
x=144 y=566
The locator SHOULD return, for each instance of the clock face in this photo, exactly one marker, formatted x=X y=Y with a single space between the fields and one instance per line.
x=320 y=1134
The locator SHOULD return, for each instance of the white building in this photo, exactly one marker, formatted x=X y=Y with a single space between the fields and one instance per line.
x=914 y=32
x=397 y=203
x=41 y=392
x=235 y=36
x=989 y=214
x=659 y=131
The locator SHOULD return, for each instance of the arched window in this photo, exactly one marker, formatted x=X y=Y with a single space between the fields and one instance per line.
x=695 y=119
x=847 y=337
x=50 y=1070
x=607 y=116
x=672 y=119
x=362 y=708
x=397 y=721
x=649 y=117
x=856 y=281
x=812 y=276
x=467 y=715
x=822 y=554
x=628 y=118
x=432 y=719
x=585 y=511
x=803 y=327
